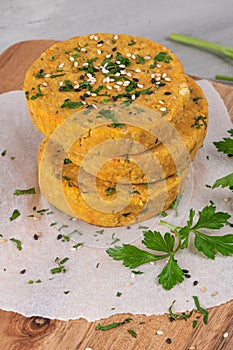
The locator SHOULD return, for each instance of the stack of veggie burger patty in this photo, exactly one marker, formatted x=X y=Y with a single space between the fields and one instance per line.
x=88 y=80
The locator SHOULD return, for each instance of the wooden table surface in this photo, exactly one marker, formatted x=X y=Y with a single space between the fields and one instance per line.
x=21 y=333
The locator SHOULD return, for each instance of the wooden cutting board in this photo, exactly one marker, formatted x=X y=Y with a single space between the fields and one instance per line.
x=21 y=333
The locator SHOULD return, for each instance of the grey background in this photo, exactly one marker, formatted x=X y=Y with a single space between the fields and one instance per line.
x=155 y=19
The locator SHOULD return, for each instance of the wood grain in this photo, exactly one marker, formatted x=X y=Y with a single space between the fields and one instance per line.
x=35 y=333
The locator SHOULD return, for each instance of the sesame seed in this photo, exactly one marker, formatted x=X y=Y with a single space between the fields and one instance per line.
x=122 y=66
x=3 y=240
x=105 y=71
x=93 y=94
x=73 y=249
x=76 y=86
x=95 y=37
x=128 y=284
x=99 y=52
x=162 y=103
x=152 y=75
x=203 y=289
x=117 y=74
x=152 y=263
x=133 y=57
x=71 y=58
x=133 y=97
x=157 y=82
x=147 y=58
x=126 y=83
x=226 y=199
x=85 y=64
x=76 y=64
x=83 y=102
x=111 y=79
x=116 y=86
x=123 y=72
x=214 y=293
x=114 y=49
x=159 y=332
x=61 y=65
x=132 y=275
x=36 y=218
x=22 y=271
x=153 y=80
x=164 y=75
x=95 y=108
x=99 y=45
x=35 y=237
x=105 y=64
x=118 y=62
x=137 y=70
x=168 y=340
x=136 y=80
x=129 y=74
x=92 y=37
x=45 y=84
x=109 y=87
x=120 y=82
x=187 y=275
x=100 y=42
x=158 y=65
x=225 y=335
x=89 y=75
x=88 y=349
x=195 y=283
x=192 y=348
x=163 y=109
x=157 y=79
x=167 y=79
x=158 y=74
x=109 y=55
x=128 y=54
x=106 y=80
x=59 y=236
x=47 y=75
x=140 y=85
x=115 y=37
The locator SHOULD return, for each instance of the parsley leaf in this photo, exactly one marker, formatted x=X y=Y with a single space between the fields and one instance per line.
x=210 y=245
x=226 y=181
x=39 y=93
x=132 y=256
x=171 y=274
x=208 y=218
x=225 y=146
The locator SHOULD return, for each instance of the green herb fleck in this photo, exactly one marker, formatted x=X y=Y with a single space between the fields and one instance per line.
x=132 y=332
x=141 y=59
x=112 y=325
x=39 y=93
x=67 y=161
x=22 y=192
x=118 y=294
x=15 y=215
x=199 y=122
x=132 y=42
x=61 y=267
x=17 y=242
x=68 y=103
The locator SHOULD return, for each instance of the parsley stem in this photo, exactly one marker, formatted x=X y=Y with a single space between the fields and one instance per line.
x=223 y=77
x=165 y=223
x=184 y=39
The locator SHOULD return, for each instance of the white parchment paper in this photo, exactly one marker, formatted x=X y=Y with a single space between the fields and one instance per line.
x=93 y=279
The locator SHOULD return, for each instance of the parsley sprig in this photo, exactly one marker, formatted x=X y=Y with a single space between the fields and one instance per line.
x=226 y=147
x=177 y=239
